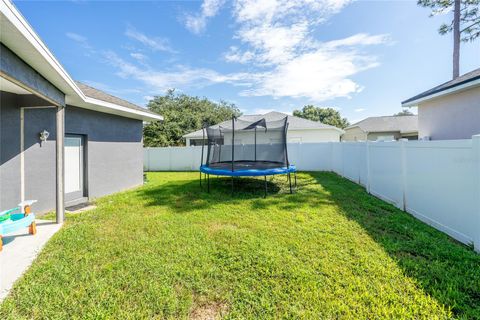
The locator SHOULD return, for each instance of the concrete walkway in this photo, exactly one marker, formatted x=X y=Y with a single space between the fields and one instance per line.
x=19 y=251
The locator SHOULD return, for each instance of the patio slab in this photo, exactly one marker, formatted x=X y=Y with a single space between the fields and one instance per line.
x=19 y=251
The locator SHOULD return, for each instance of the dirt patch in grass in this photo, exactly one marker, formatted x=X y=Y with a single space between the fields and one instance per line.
x=209 y=311
x=216 y=227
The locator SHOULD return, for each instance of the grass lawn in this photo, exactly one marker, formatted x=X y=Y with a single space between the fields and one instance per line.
x=170 y=250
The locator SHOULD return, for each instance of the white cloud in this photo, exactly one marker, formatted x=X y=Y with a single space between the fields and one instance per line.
x=81 y=40
x=279 y=42
x=234 y=55
x=359 y=110
x=283 y=57
x=319 y=75
x=76 y=37
x=154 y=43
x=360 y=39
x=140 y=57
x=197 y=23
x=178 y=76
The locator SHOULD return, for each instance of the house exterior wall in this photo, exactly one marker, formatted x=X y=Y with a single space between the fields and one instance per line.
x=114 y=149
x=311 y=136
x=9 y=151
x=354 y=134
x=114 y=155
x=293 y=136
x=373 y=136
x=455 y=116
x=357 y=134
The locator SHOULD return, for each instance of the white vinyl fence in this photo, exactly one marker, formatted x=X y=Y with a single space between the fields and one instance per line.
x=436 y=181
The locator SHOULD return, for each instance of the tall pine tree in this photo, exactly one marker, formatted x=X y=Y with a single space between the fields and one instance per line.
x=465 y=24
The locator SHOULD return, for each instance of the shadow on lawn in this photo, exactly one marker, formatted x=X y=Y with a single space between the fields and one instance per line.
x=445 y=269
x=188 y=195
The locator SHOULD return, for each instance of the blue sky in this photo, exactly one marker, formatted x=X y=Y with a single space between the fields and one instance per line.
x=362 y=57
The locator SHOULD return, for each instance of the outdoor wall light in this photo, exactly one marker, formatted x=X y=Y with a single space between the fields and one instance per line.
x=44 y=136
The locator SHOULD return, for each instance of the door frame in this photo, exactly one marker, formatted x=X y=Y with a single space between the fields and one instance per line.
x=83 y=193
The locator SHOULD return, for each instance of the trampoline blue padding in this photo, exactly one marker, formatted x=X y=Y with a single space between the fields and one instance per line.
x=249 y=172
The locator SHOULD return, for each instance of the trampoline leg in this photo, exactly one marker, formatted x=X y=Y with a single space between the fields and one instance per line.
x=200 y=179
x=208 y=182
x=290 y=182
x=232 y=186
x=265 y=187
x=295 y=175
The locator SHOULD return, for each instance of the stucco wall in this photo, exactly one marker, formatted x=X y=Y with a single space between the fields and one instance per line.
x=9 y=151
x=456 y=116
x=39 y=161
x=113 y=148
x=40 y=172
x=354 y=134
x=373 y=136
x=311 y=136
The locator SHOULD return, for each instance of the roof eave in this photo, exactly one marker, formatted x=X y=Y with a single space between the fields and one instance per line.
x=458 y=88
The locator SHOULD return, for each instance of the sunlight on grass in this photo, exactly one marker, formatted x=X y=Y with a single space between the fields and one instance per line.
x=171 y=250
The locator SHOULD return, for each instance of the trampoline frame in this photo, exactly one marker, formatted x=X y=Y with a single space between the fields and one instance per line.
x=287 y=169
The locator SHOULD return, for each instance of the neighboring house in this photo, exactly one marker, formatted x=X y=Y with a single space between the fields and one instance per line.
x=60 y=141
x=450 y=110
x=383 y=128
x=299 y=130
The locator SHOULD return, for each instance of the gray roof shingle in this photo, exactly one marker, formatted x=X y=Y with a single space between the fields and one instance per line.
x=294 y=123
x=467 y=77
x=388 y=124
x=101 y=95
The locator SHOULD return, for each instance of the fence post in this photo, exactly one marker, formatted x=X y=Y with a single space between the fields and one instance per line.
x=476 y=162
x=147 y=151
x=342 y=168
x=368 y=167
x=169 y=158
x=403 y=151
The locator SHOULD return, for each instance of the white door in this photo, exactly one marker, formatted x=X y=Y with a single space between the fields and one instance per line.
x=73 y=167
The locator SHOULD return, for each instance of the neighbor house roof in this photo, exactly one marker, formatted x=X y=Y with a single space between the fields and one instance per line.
x=468 y=80
x=402 y=124
x=294 y=123
x=17 y=35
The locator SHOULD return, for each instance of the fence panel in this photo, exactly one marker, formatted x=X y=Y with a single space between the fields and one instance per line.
x=440 y=187
x=436 y=181
x=386 y=172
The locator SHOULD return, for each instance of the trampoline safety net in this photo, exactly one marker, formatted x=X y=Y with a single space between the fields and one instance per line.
x=244 y=145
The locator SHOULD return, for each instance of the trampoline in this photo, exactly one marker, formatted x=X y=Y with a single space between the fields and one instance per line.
x=240 y=148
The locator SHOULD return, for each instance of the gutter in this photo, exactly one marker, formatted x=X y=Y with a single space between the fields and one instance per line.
x=457 y=88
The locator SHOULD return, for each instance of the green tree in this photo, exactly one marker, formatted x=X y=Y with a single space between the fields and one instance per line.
x=404 y=112
x=465 y=24
x=324 y=115
x=183 y=114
